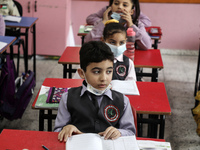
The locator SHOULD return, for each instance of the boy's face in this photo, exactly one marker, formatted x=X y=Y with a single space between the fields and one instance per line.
x=116 y=39
x=121 y=5
x=99 y=75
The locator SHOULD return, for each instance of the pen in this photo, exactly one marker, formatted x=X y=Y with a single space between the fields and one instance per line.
x=45 y=147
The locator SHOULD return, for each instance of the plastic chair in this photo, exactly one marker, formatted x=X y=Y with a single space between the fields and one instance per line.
x=18 y=41
x=135 y=118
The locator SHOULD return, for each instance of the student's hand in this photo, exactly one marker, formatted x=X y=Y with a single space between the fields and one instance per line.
x=106 y=16
x=127 y=16
x=67 y=131
x=110 y=133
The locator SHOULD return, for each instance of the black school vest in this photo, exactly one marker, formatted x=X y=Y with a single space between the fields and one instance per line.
x=120 y=70
x=84 y=115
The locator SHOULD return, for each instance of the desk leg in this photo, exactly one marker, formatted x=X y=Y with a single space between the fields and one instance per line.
x=139 y=125
x=162 y=126
x=41 y=120
x=154 y=75
x=153 y=127
x=82 y=38
x=11 y=52
x=64 y=71
x=49 y=120
x=26 y=51
x=155 y=45
x=70 y=71
x=34 y=50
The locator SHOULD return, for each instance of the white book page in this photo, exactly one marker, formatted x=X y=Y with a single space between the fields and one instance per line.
x=126 y=87
x=87 y=141
x=2 y=45
x=153 y=145
x=122 y=143
x=12 y=18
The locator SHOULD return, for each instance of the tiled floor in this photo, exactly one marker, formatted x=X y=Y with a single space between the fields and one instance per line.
x=178 y=75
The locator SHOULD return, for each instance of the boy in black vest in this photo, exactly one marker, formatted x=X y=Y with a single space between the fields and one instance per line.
x=94 y=107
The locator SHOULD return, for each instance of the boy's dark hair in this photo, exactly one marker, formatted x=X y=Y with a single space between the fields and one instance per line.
x=113 y=28
x=136 y=6
x=94 y=51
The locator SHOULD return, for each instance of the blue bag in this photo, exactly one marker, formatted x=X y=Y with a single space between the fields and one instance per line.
x=14 y=97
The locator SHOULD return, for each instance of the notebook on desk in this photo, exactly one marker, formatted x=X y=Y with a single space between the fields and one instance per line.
x=12 y=18
x=128 y=87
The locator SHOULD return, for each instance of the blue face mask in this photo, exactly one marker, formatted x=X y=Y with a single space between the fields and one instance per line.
x=117 y=16
x=117 y=50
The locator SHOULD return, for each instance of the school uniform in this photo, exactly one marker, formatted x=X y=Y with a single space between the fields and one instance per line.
x=76 y=108
x=123 y=68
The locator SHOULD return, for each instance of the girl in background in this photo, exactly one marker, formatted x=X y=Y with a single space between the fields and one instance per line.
x=114 y=35
x=130 y=12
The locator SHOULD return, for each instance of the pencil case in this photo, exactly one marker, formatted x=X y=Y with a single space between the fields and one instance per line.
x=55 y=94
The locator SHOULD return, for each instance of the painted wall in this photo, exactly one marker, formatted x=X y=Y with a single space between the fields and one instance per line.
x=180 y=23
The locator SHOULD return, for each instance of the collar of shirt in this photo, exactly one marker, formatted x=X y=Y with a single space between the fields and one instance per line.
x=119 y=58
x=107 y=93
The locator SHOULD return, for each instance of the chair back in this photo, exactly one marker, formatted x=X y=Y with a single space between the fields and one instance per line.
x=19 y=7
x=135 y=118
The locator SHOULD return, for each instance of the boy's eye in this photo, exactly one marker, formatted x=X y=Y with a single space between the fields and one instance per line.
x=109 y=71
x=125 y=5
x=96 y=71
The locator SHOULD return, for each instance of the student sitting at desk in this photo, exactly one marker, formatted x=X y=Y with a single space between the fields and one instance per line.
x=2 y=26
x=123 y=9
x=92 y=18
x=94 y=107
x=114 y=35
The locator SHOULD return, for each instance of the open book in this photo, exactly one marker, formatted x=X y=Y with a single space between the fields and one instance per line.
x=128 y=87
x=12 y=18
x=92 y=141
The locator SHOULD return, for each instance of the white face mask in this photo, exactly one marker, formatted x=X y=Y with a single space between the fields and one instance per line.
x=95 y=91
x=117 y=50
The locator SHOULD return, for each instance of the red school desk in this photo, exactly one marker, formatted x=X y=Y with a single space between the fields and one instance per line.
x=152 y=100
x=143 y=59
x=33 y=140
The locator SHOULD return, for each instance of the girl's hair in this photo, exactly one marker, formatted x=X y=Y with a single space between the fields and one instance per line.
x=113 y=28
x=136 y=7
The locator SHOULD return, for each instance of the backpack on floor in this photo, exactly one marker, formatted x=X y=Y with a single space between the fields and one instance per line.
x=15 y=93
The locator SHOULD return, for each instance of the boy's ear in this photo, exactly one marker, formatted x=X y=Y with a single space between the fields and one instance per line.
x=80 y=72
